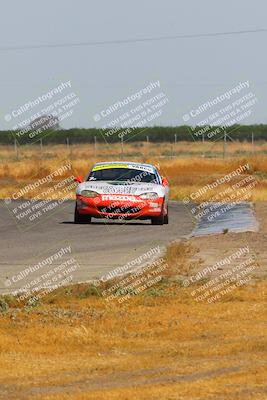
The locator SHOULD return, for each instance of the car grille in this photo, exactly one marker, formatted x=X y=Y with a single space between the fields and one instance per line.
x=119 y=210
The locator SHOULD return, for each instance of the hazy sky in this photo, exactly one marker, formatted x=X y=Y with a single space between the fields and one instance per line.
x=190 y=71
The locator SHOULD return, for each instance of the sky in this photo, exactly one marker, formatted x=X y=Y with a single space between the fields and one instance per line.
x=190 y=71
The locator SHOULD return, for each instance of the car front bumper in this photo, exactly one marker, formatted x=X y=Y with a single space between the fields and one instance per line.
x=119 y=206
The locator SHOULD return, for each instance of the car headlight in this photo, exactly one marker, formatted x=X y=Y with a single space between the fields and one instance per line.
x=89 y=193
x=149 y=195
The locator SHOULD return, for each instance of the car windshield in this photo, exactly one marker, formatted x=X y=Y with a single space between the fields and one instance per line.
x=122 y=175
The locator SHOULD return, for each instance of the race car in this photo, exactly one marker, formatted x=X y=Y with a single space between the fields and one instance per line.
x=122 y=190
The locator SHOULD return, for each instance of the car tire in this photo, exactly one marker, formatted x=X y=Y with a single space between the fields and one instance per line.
x=81 y=219
x=166 y=217
x=158 y=220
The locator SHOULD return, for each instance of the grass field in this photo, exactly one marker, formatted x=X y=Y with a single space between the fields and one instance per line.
x=75 y=346
x=184 y=166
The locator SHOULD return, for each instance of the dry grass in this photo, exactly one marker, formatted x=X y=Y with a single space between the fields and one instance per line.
x=167 y=347
x=187 y=170
x=160 y=344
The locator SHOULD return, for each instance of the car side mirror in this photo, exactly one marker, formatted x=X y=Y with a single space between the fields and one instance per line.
x=165 y=181
x=78 y=179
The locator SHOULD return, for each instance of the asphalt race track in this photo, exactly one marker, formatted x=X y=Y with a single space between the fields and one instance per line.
x=98 y=248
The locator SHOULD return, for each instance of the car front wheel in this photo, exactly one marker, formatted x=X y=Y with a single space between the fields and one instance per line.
x=166 y=217
x=158 y=220
x=80 y=218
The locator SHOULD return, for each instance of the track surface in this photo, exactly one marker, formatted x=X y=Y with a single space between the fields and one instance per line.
x=98 y=248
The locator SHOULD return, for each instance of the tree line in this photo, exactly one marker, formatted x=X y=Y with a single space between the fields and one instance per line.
x=151 y=134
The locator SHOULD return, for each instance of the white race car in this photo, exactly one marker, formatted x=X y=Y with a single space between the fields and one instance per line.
x=122 y=190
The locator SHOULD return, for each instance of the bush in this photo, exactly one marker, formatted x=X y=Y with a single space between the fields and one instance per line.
x=3 y=306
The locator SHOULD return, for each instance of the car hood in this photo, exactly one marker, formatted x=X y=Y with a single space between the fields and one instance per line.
x=115 y=187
